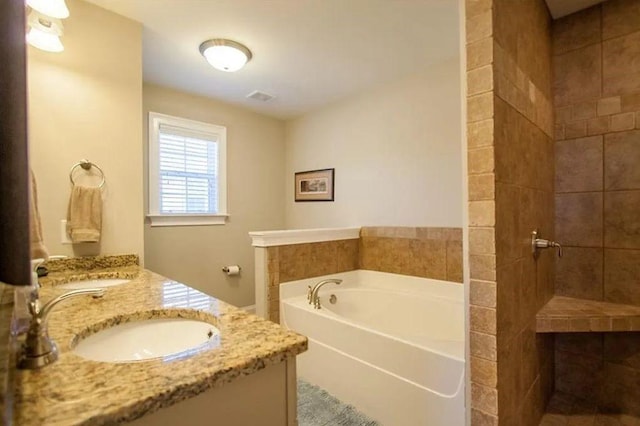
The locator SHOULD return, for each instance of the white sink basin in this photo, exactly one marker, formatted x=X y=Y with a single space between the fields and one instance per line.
x=147 y=339
x=98 y=283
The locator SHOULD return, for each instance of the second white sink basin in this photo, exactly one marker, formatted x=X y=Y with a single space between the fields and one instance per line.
x=147 y=339
x=97 y=283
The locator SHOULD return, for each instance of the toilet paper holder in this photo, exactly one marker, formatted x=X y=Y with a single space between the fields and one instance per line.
x=231 y=269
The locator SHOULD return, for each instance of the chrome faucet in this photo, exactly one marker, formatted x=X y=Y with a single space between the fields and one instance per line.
x=539 y=243
x=38 y=350
x=312 y=294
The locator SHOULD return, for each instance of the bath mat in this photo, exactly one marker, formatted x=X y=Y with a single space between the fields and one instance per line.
x=316 y=407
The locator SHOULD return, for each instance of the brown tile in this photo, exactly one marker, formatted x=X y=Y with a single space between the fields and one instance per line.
x=620 y=65
x=480 y=133
x=480 y=161
x=580 y=273
x=483 y=293
x=622 y=157
x=584 y=344
x=579 y=164
x=347 y=255
x=622 y=276
x=621 y=219
x=563 y=114
x=482 y=241
x=480 y=53
x=577 y=374
x=482 y=267
x=623 y=348
x=482 y=213
x=483 y=346
x=630 y=102
x=479 y=27
x=509 y=303
x=583 y=110
x=480 y=80
x=575 y=129
x=431 y=257
x=579 y=219
x=578 y=75
x=480 y=107
x=484 y=372
x=509 y=379
x=608 y=106
x=482 y=320
x=577 y=30
x=558 y=132
x=484 y=398
x=620 y=17
x=480 y=418
x=508 y=241
x=622 y=122
x=598 y=126
x=638 y=120
x=482 y=187
x=454 y=261
x=476 y=7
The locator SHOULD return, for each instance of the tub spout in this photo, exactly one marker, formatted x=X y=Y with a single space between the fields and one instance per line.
x=313 y=296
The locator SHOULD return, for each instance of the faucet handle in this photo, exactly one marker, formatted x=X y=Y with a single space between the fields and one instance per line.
x=559 y=247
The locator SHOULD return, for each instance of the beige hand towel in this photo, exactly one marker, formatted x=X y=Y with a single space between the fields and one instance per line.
x=38 y=250
x=84 y=215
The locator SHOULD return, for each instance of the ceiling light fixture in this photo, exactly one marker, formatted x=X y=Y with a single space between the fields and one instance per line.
x=53 y=8
x=225 y=55
x=44 y=32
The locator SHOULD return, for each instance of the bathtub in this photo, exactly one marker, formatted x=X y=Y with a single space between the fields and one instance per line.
x=391 y=345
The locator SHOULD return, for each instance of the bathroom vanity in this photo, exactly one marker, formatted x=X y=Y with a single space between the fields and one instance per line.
x=244 y=374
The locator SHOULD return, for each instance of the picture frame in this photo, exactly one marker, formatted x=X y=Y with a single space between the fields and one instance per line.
x=315 y=185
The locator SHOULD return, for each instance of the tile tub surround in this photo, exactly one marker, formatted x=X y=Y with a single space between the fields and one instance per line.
x=510 y=180
x=424 y=252
x=568 y=314
x=417 y=251
x=77 y=391
x=597 y=132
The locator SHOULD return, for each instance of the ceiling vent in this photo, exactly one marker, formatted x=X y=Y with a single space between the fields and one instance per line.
x=260 y=96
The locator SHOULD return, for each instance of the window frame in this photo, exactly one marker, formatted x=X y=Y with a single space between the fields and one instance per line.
x=156 y=218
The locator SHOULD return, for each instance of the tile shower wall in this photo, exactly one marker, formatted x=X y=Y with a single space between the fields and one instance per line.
x=510 y=166
x=597 y=132
x=422 y=252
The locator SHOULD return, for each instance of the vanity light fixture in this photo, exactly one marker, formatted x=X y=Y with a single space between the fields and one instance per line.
x=225 y=55
x=44 y=32
x=53 y=8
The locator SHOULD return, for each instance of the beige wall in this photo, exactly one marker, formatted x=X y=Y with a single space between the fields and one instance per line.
x=396 y=151
x=86 y=102
x=195 y=255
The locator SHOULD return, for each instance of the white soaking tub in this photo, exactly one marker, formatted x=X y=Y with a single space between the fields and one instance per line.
x=391 y=345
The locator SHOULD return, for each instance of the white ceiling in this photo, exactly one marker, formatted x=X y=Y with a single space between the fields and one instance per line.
x=560 y=8
x=307 y=53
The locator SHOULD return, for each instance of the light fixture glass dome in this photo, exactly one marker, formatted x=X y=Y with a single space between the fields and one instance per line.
x=44 y=41
x=53 y=8
x=44 y=32
x=225 y=55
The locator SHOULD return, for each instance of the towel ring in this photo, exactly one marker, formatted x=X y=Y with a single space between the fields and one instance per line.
x=86 y=165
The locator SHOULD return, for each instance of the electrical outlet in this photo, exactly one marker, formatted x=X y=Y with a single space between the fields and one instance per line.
x=64 y=237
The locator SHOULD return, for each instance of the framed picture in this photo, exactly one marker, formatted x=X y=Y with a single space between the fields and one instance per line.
x=314 y=185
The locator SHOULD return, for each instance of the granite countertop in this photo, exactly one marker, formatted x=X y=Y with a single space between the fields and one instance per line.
x=76 y=391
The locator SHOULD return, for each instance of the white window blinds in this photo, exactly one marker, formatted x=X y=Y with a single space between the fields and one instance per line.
x=188 y=171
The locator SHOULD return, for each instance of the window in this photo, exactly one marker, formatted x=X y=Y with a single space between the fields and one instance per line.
x=187 y=172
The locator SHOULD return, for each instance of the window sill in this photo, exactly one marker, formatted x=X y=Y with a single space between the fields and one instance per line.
x=186 y=219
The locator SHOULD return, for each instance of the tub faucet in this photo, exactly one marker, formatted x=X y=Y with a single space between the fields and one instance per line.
x=38 y=350
x=313 y=295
